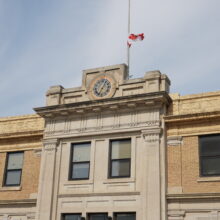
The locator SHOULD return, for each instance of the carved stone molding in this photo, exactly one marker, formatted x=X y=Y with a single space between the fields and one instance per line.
x=174 y=140
x=30 y=216
x=151 y=134
x=38 y=152
x=176 y=215
x=50 y=144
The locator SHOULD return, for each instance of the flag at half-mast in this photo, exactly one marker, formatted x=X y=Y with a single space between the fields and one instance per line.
x=134 y=37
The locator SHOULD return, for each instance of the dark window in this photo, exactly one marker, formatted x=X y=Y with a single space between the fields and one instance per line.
x=80 y=161
x=209 y=155
x=13 y=169
x=98 y=216
x=124 y=216
x=71 y=217
x=120 y=158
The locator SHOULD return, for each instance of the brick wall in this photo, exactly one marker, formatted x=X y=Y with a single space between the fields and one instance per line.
x=189 y=117
x=21 y=133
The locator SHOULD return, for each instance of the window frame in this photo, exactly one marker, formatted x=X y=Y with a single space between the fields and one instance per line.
x=201 y=174
x=124 y=159
x=6 y=169
x=64 y=214
x=116 y=213
x=71 y=163
x=97 y=213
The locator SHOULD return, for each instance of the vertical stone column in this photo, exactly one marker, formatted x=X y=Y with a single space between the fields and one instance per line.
x=153 y=196
x=46 y=180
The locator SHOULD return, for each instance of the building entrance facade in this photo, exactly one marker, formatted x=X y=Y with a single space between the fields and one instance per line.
x=104 y=148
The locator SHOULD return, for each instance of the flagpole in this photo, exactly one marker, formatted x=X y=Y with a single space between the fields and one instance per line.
x=129 y=27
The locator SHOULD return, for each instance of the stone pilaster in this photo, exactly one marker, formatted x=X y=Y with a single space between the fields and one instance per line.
x=46 y=180
x=153 y=196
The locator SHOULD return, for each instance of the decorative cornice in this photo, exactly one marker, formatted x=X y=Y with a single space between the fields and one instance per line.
x=50 y=144
x=151 y=134
x=21 y=134
x=174 y=140
x=158 y=98
x=191 y=118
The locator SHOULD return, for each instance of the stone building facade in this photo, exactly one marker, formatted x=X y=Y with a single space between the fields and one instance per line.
x=104 y=148
x=113 y=148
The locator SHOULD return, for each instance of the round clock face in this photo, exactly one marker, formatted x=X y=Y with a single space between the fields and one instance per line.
x=102 y=87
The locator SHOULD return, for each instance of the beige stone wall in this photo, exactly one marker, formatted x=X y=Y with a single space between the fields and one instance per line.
x=196 y=103
x=21 y=133
x=18 y=125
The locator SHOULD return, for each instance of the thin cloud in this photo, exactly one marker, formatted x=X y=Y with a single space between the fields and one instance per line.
x=49 y=43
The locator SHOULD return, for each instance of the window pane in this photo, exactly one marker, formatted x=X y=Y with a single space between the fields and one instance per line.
x=80 y=171
x=210 y=145
x=210 y=166
x=121 y=149
x=13 y=177
x=121 y=168
x=81 y=152
x=125 y=216
x=98 y=217
x=15 y=160
x=72 y=217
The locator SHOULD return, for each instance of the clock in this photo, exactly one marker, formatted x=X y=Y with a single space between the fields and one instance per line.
x=102 y=86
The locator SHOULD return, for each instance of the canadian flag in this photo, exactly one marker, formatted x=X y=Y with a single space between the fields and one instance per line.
x=134 y=37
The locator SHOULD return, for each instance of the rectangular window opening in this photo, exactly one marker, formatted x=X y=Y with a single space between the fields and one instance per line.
x=209 y=155
x=80 y=161
x=124 y=216
x=120 y=158
x=13 y=169
x=71 y=217
x=98 y=216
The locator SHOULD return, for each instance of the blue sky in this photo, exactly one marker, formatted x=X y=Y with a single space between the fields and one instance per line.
x=50 y=42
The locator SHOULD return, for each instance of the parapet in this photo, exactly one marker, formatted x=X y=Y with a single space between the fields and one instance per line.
x=110 y=82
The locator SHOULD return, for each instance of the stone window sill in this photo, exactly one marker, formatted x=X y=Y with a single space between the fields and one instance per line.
x=209 y=179
x=119 y=180
x=78 y=182
x=10 y=188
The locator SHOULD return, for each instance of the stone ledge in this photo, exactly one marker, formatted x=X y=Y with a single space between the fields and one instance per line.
x=10 y=188
x=192 y=117
x=194 y=196
x=209 y=179
x=99 y=194
x=18 y=202
x=21 y=134
x=119 y=180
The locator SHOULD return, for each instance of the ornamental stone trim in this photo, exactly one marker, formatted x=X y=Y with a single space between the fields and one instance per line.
x=50 y=144
x=176 y=215
x=151 y=134
x=174 y=140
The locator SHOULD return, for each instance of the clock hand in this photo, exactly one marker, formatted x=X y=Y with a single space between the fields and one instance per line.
x=102 y=86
